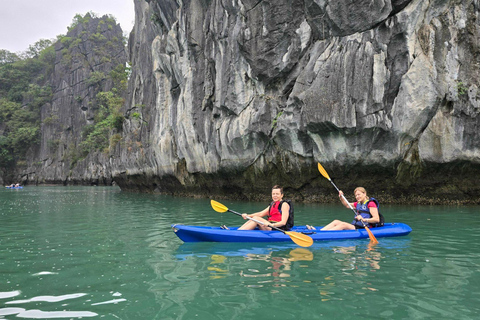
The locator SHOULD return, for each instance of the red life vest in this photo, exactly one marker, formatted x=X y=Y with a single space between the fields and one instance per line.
x=275 y=214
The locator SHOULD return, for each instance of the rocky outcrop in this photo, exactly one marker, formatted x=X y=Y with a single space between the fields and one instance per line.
x=84 y=59
x=230 y=97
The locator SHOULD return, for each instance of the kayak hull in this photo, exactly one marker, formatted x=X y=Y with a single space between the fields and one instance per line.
x=217 y=234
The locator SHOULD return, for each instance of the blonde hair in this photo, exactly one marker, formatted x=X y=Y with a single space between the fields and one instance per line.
x=361 y=189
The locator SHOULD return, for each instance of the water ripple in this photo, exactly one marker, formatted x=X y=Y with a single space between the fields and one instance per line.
x=38 y=314
x=48 y=298
x=10 y=294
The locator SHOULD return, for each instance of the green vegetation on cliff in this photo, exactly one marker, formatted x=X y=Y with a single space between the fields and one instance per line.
x=108 y=119
x=26 y=82
x=23 y=90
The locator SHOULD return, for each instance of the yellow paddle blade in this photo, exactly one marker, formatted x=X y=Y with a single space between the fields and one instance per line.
x=323 y=171
x=217 y=206
x=299 y=238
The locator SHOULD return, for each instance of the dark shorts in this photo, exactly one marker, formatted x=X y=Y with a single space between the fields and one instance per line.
x=284 y=228
x=362 y=227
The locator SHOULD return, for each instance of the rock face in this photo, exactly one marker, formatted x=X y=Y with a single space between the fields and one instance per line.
x=230 y=97
x=84 y=59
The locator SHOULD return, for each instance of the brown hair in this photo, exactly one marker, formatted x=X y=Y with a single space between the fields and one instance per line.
x=278 y=187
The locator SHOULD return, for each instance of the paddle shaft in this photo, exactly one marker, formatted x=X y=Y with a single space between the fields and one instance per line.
x=257 y=221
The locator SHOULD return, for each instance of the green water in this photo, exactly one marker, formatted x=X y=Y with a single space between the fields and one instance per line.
x=99 y=253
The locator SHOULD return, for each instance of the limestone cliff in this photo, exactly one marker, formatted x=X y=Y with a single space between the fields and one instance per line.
x=84 y=61
x=230 y=97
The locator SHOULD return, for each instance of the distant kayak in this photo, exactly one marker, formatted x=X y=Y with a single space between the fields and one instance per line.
x=14 y=187
x=217 y=234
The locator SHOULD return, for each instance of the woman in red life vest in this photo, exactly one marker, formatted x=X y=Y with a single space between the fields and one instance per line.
x=367 y=211
x=277 y=214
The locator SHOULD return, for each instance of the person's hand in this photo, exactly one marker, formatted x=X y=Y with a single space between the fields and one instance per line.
x=340 y=193
x=244 y=216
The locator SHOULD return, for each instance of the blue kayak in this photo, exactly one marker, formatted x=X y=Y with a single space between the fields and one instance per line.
x=14 y=187
x=217 y=234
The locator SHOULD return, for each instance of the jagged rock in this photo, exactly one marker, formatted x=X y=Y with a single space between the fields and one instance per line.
x=234 y=96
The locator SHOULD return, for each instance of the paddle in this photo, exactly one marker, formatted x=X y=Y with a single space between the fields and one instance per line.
x=299 y=238
x=325 y=174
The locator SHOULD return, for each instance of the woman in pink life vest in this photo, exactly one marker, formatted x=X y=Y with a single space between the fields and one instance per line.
x=277 y=214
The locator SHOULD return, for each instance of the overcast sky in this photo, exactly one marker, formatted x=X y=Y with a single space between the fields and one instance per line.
x=24 y=22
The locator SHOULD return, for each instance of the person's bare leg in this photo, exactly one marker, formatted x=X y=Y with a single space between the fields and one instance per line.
x=331 y=225
x=249 y=225
x=338 y=225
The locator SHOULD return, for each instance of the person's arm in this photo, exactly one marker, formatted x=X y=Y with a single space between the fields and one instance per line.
x=342 y=200
x=285 y=215
x=375 y=216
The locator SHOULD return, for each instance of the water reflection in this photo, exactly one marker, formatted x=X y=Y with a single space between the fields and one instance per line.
x=280 y=266
x=359 y=258
x=301 y=254
x=285 y=264
x=228 y=249
x=215 y=267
